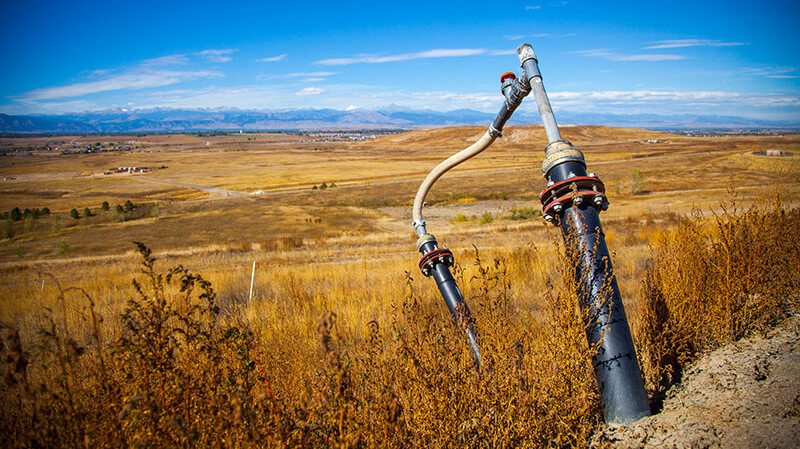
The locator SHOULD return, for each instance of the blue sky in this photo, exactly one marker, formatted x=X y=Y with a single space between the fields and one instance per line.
x=730 y=58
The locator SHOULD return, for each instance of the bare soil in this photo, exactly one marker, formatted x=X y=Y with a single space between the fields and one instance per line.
x=744 y=395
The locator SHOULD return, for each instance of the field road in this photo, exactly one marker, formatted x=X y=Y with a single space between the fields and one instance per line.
x=225 y=192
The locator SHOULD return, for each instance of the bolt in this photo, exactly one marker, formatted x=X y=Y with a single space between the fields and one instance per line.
x=592 y=175
x=578 y=200
x=549 y=218
x=426 y=271
x=450 y=261
x=557 y=207
x=441 y=259
x=605 y=206
x=570 y=175
x=550 y=182
x=598 y=199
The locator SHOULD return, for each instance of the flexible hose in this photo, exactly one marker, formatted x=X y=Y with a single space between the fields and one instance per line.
x=463 y=155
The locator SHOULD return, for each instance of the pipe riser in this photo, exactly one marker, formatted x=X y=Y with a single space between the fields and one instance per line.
x=615 y=364
x=616 y=367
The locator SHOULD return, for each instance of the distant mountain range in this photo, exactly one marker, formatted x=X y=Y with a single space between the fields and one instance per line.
x=183 y=120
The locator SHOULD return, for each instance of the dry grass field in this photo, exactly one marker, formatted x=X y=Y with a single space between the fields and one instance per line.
x=344 y=343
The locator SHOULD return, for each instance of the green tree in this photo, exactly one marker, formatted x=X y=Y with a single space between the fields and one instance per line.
x=120 y=210
x=104 y=206
x=74 y=213
x=323 y=186
x=128 y=206
x=333 y=184
x=87 y=212
x=45 y=211
x=27 y=213
x=16 y=214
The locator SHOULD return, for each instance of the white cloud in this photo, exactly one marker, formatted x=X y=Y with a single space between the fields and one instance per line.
x=680 y=100
x=272 y=58
x=613 y=56
x=682 y=43
x=771 y=72
x=295 y=75
x=220 y=55
x=533 y=7
x=310 y=91
x=165 y=60
x=142 y=80
x=374 y=59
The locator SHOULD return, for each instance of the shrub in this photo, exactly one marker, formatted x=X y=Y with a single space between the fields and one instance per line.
x=62 y=248
x=119 y=209
x=178 y=371
x=711 y=283
x=16 y=214
x=87 y=212
x=129 y=206
x=74 y=213
x=104 y=206
x=45 y=211
x=487 y=218
x=524 y=213
x=8 y=229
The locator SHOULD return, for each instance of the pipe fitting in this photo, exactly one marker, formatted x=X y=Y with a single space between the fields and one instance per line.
x=423 y=239
x=558 y=152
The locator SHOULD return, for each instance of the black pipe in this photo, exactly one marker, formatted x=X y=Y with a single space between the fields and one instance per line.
x=615 y=365
x=440 y=270
x=573 y=199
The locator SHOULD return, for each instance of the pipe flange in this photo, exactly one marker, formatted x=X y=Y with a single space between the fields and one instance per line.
x=558 y=152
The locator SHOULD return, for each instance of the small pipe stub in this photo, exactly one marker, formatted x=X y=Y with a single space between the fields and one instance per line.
x=507 y=75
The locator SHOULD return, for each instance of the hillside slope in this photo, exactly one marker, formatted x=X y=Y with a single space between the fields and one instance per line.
x=461 y=136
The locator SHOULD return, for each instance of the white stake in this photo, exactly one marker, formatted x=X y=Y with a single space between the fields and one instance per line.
x=252 y=278
x=42 y=284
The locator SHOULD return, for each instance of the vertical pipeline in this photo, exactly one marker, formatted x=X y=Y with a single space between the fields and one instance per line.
x=573 y=199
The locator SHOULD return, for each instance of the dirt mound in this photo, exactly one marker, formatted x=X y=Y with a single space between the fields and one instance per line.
x=743 y=395
x=461 y=136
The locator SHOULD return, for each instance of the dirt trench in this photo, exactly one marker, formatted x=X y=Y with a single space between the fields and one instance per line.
x=743 y=395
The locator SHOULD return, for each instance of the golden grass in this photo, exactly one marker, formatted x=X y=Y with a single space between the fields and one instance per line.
x=344 y=344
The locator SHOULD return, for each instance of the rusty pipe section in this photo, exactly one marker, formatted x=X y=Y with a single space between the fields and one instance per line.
x=573 y=200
